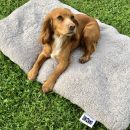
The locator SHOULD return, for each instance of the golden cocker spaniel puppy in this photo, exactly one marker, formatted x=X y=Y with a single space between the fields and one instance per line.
x=62 y=32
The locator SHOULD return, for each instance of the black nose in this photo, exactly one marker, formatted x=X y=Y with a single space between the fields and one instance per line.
x=72 y=28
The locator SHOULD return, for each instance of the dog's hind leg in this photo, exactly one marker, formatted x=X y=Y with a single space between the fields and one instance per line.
x=89 y=44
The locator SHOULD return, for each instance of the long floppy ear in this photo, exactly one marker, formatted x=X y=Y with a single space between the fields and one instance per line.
x=75 y=21
x=46 y=31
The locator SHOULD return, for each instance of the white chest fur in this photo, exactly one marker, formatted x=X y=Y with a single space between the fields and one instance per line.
x=58 y=41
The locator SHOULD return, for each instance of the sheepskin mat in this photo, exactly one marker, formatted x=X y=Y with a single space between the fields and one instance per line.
x=101 y=87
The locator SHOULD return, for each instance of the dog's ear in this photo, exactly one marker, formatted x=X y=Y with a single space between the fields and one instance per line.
x=75 y=21
x=46 y=31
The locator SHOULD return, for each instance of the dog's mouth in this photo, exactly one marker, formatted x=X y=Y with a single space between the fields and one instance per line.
x=70 y=33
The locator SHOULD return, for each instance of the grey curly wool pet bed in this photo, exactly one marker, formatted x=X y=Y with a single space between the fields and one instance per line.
x=101 y=87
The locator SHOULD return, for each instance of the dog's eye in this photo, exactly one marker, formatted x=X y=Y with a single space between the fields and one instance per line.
x=60 y=18
x=72 y=17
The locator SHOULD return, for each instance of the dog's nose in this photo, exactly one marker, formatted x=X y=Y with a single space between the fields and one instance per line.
x=72 y=27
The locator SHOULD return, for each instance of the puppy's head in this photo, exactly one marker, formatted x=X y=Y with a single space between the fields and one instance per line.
x=60 y=21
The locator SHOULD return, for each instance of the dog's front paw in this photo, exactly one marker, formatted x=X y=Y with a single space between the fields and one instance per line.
x=47 y=87
x=84 y=59
x=31 y=74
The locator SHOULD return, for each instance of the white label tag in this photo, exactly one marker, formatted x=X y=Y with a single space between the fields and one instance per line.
x=87 y=120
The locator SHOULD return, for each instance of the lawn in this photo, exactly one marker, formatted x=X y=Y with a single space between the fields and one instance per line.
x=22 y=105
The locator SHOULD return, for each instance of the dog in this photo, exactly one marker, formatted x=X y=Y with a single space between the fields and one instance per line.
x=61 y=33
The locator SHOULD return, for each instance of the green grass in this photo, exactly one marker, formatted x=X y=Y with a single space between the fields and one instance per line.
x=22 y=105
